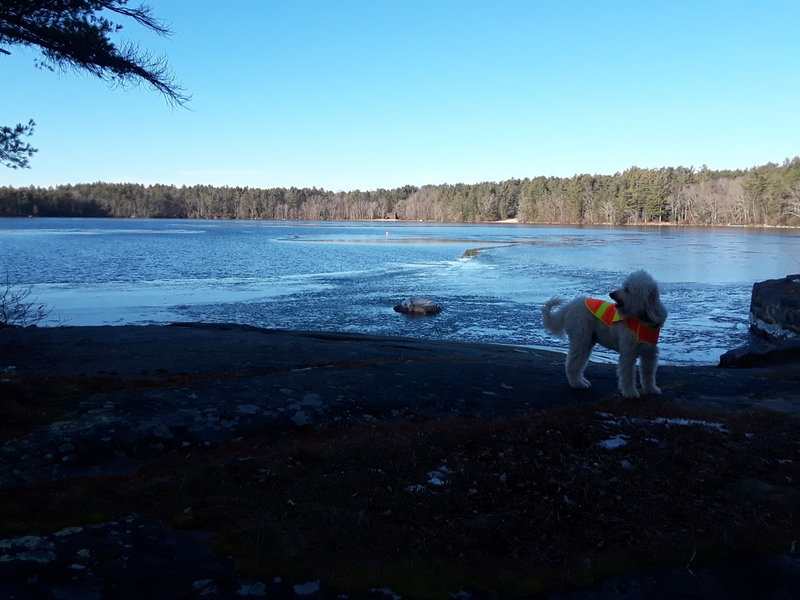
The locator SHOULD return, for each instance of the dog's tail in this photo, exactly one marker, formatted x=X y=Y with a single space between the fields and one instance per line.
x=553 y=320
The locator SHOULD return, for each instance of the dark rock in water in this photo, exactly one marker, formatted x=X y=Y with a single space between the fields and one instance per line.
x=418 y=306
x=775 y=308
x=774 y=325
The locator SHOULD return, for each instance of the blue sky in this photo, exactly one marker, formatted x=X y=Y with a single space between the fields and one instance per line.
x=347 y=95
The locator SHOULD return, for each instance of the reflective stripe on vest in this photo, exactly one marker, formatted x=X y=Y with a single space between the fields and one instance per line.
x=603 y=310
x=607 y=312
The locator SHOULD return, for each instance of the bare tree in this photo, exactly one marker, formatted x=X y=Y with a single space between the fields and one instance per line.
x=609 y=210
x=19 y=307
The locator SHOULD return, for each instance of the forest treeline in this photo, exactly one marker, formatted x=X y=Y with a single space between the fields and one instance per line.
x=764 y=195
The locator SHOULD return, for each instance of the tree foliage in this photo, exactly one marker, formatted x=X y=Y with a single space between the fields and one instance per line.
x=765 y=195
x=14 y=150
x=76 y=34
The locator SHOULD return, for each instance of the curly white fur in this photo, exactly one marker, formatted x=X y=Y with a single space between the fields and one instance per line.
x=638 y=297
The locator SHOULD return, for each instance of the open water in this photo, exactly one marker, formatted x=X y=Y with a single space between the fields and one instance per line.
x=491 y=280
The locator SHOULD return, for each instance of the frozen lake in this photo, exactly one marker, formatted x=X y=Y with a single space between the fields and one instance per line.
x=490 y=279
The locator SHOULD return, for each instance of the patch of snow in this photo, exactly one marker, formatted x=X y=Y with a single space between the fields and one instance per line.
x=252 y=588
x=773 y=330
x=386 y=592
x=311 y=399
x=439 y=476
x=416 y=488
x=618 y=421
x=614 y=442
x=306 y=589
x=690 y=422
x=300 y=418
x=28 y=548
x=68 y=531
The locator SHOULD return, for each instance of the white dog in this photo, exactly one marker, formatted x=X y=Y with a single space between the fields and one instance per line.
x=630 y=327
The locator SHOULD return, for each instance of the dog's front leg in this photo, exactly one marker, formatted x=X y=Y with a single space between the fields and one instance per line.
x=647 y=372
x=626 y=374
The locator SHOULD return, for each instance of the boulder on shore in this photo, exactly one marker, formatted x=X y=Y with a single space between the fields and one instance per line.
x=774 y=325
x=418 y=306
x=775 y=308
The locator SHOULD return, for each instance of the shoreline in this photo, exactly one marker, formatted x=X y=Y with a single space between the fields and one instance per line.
x=87 y=350
x=509 y=221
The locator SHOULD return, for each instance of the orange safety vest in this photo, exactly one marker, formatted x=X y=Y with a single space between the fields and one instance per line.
x=607 y=312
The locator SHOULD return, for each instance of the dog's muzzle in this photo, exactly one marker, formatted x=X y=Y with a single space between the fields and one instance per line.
x=615 y=297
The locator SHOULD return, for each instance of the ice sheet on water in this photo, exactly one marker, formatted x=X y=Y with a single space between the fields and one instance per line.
x=315 y=276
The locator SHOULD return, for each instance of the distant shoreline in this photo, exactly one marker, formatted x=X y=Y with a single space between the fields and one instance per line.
x=666 y=196
x=509 y=221
x=515 y=221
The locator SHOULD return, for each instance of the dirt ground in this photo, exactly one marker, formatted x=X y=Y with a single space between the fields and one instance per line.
x=229 y=461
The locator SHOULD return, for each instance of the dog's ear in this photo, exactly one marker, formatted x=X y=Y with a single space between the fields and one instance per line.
x=656 y=313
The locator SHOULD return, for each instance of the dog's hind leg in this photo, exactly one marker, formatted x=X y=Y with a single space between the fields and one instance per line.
x=647 y=373
x=577 y=357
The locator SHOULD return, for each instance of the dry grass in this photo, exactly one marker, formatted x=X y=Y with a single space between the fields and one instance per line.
x=517 y=505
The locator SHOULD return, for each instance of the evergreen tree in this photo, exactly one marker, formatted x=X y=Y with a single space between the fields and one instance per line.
x=76 y=34
x=14 y=150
